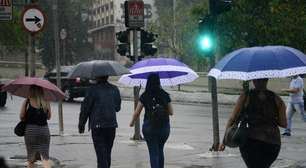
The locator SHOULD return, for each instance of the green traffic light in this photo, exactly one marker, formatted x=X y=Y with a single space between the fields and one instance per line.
x=205 y=43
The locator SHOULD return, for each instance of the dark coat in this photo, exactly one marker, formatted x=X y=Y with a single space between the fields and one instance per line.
x=100 y=105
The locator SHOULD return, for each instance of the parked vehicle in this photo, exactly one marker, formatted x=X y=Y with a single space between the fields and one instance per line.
x=3 y=96
x=73 y=88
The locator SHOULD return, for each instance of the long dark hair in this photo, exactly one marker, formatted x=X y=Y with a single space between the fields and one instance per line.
x=153 y=83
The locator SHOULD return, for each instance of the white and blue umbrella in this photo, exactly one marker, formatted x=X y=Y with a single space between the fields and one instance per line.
x=171 y=72
x=260 y=62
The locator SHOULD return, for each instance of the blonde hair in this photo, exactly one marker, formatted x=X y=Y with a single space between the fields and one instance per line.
x=37 y=94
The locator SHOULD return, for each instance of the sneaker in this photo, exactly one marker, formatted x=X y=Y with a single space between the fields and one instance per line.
x=286 y=134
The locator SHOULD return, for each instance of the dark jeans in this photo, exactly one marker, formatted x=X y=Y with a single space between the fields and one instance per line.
x=103 y=139
x=258 y=154
x=156 y=139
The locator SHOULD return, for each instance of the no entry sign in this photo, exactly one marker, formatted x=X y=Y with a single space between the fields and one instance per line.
x=134 y=14
x=33 y=19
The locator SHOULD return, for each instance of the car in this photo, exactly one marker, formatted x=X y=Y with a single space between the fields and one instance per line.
x=73 y=88
x=3 y=96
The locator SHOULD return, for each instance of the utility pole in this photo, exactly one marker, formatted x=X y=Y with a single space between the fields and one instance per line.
x=57 y=59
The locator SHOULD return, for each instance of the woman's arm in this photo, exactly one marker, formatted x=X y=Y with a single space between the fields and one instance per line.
x=22 y=114
x=281 y=118
x=136 y=114
x=233 y=116
x=170 y=109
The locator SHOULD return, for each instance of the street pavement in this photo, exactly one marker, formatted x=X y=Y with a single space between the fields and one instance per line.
x=187 y=147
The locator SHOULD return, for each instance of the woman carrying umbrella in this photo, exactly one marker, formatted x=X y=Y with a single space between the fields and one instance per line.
x=36 y=111
x=156 y=133
x=266 y=111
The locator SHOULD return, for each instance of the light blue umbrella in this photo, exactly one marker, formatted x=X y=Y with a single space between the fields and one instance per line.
x=260 y=62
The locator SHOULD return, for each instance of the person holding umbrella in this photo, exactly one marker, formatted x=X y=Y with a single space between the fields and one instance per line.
x=155 y=132
x=296 y=101
x=100 y=105
x=35 y=110
x=265 y=111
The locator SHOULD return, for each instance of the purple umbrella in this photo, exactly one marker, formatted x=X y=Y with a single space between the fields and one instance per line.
x=171 y=72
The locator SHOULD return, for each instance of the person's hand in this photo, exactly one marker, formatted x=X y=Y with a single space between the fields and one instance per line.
x=221 y=147
x=284 y=90
x=81 y=129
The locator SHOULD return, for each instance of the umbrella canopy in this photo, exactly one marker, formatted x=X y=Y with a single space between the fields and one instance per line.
x=260 y=62
x=96 y=68
x=21 y=87
x=171 y=72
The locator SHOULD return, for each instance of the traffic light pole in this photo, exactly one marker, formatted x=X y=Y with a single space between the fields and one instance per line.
x=136 y=49
x=213 y=89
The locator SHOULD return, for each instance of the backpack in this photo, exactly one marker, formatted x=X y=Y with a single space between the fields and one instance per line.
x=158 y=113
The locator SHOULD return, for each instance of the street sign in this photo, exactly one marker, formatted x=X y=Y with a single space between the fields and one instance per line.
x=6 y=10
x=33 y=19
x=134 y=14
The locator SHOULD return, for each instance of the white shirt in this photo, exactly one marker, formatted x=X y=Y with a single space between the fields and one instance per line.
x=296 y=83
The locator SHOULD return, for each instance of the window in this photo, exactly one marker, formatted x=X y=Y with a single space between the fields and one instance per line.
x=112 y=5
x=112 y=19
x=107 y=19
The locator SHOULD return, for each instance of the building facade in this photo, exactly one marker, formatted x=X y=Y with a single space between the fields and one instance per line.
x=106 y=18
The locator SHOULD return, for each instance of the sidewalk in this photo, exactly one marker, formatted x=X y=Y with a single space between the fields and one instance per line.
x=187 y=147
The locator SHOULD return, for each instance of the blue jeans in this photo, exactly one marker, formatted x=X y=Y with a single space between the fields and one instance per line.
x=103 y=139
x=299 y=107
x=156 y=139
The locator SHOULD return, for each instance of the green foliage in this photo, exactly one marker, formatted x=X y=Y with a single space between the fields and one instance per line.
x=12 y=33
x=248 y=23
x=77 y=47
x=177 y=30
x=263 y=22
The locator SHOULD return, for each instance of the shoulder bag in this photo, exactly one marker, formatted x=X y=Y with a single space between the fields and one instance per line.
x=237 y=134
x=20 y=128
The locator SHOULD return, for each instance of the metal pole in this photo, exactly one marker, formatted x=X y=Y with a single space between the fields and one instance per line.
x=213 y=89
x=214 y=104
x=64 y=52
x=32 y=56
x=136 y=50
x=30 y=53
x=57 y=59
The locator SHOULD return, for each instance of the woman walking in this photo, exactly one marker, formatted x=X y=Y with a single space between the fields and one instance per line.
x=265 y=111
x=156 y=126
x=36 y=111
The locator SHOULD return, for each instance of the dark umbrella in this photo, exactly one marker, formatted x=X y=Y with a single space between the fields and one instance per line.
x=96 y=68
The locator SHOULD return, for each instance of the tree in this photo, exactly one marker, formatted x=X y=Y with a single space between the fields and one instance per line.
x=12 y=35
x=72 y=17
x=176 y=29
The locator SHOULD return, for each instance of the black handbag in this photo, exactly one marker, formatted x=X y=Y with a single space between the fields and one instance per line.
x=20 y=128
x=237 y=134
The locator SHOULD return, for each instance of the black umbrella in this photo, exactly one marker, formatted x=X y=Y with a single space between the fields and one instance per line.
x=96 y=68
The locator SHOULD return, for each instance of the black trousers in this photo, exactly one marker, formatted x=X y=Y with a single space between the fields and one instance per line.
x=258 y=154
x=103 y=139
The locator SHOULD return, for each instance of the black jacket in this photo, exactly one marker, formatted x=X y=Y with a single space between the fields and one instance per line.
x=100 y=105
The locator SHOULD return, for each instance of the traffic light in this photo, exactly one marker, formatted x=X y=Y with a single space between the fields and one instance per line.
x=124 y=45
x=206 y=38
x=147 y=38
x=219 y=6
